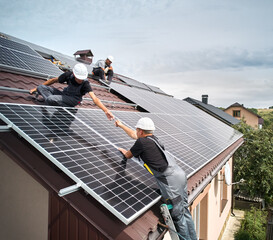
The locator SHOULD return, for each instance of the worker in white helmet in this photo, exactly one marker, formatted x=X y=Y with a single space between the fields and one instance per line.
x=103 y=68
x=170 y=178
x=78 y=85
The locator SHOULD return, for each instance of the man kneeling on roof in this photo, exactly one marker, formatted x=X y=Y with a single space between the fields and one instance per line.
x=78 y=85
x=103 y=68
x=170 y=178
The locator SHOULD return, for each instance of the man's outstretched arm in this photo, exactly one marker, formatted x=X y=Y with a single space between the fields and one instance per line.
x=130 y=132
x=96 y=100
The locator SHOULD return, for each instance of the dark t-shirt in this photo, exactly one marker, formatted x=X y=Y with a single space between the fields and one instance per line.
x=73 y=86
x=149 y=153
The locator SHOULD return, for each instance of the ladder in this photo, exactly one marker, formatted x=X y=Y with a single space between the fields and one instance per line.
x=168 y=220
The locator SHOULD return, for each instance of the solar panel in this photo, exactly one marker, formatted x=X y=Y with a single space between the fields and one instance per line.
x=156 y=89
x=133 y=83
x=155 y=103
x=8 y=58
x=21 y=56
x=87 y=157
x=17 y=46
x=39 y=64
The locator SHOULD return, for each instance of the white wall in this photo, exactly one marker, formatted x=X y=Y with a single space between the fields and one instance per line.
x=23 y=204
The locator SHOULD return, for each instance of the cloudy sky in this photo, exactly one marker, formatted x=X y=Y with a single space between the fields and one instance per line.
x=185 y=47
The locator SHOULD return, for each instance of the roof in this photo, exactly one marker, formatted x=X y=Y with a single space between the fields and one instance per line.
x=214 y=111
x=39 y=166
x=18 y=81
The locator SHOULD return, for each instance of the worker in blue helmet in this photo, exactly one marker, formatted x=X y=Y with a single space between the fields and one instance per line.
x=78 y=85
x=170 y=178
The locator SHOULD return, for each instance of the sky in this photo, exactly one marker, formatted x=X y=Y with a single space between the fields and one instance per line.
x=222 y=48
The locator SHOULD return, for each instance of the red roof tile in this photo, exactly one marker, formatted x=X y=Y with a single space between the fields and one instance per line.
x=26 y=83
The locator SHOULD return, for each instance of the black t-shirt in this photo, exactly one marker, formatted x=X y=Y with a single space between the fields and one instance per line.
x=68 y=77
x=149 y=153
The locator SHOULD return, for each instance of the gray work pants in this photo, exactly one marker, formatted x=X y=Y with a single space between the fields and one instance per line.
x=173 y=185
x=55 y=97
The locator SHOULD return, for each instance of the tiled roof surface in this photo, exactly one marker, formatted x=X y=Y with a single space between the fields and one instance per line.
x=26 y=83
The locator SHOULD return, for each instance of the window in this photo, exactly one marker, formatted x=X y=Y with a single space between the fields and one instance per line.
x=236 y=113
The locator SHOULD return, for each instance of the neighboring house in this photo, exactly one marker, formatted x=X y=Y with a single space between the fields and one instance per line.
x=241 y=113
x=213 y=111
x=29 y=181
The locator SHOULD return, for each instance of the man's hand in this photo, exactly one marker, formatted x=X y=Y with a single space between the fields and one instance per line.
x=118 y=123
x=128 y=154
x=31 y=91
x=122 y=150
x=109 y=115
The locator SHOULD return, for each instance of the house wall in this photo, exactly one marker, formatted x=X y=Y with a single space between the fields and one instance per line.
x=250 y=118
x=23 y=203
x=215 y=206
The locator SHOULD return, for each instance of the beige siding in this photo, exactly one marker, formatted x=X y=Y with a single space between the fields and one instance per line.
x=215 y=206
x=251 y=119
x=23 y=204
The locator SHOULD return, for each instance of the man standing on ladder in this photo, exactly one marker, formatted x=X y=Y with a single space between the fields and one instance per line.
x=170 y=178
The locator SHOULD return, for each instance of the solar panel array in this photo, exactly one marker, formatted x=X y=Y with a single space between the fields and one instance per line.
x=22 y=57
x=83 y=143
x=68 y=139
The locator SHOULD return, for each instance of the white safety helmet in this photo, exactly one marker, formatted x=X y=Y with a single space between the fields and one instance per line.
x=110 y=58
x=80 y=71
x=145 y=123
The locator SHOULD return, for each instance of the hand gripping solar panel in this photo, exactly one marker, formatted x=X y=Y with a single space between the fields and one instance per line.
x=124 y=188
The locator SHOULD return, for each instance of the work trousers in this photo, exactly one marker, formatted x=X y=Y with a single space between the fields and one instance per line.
x=55 y=97
x=99 y=72
x=173 y=185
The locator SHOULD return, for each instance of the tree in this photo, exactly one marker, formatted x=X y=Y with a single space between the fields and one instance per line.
x=253 y=161
x=253 y=226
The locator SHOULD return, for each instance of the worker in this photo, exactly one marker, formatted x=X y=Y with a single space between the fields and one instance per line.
x=171 y=179
x=103 y=68
x=78 y=85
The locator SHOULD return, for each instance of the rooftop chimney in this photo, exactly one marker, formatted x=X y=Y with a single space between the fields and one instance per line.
x=86 y=56
x=205 y=99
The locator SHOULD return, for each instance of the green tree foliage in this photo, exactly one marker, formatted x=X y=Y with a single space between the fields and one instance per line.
x=254 y=110
x=253 y=226
x=253 y=161
x=267 y=115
